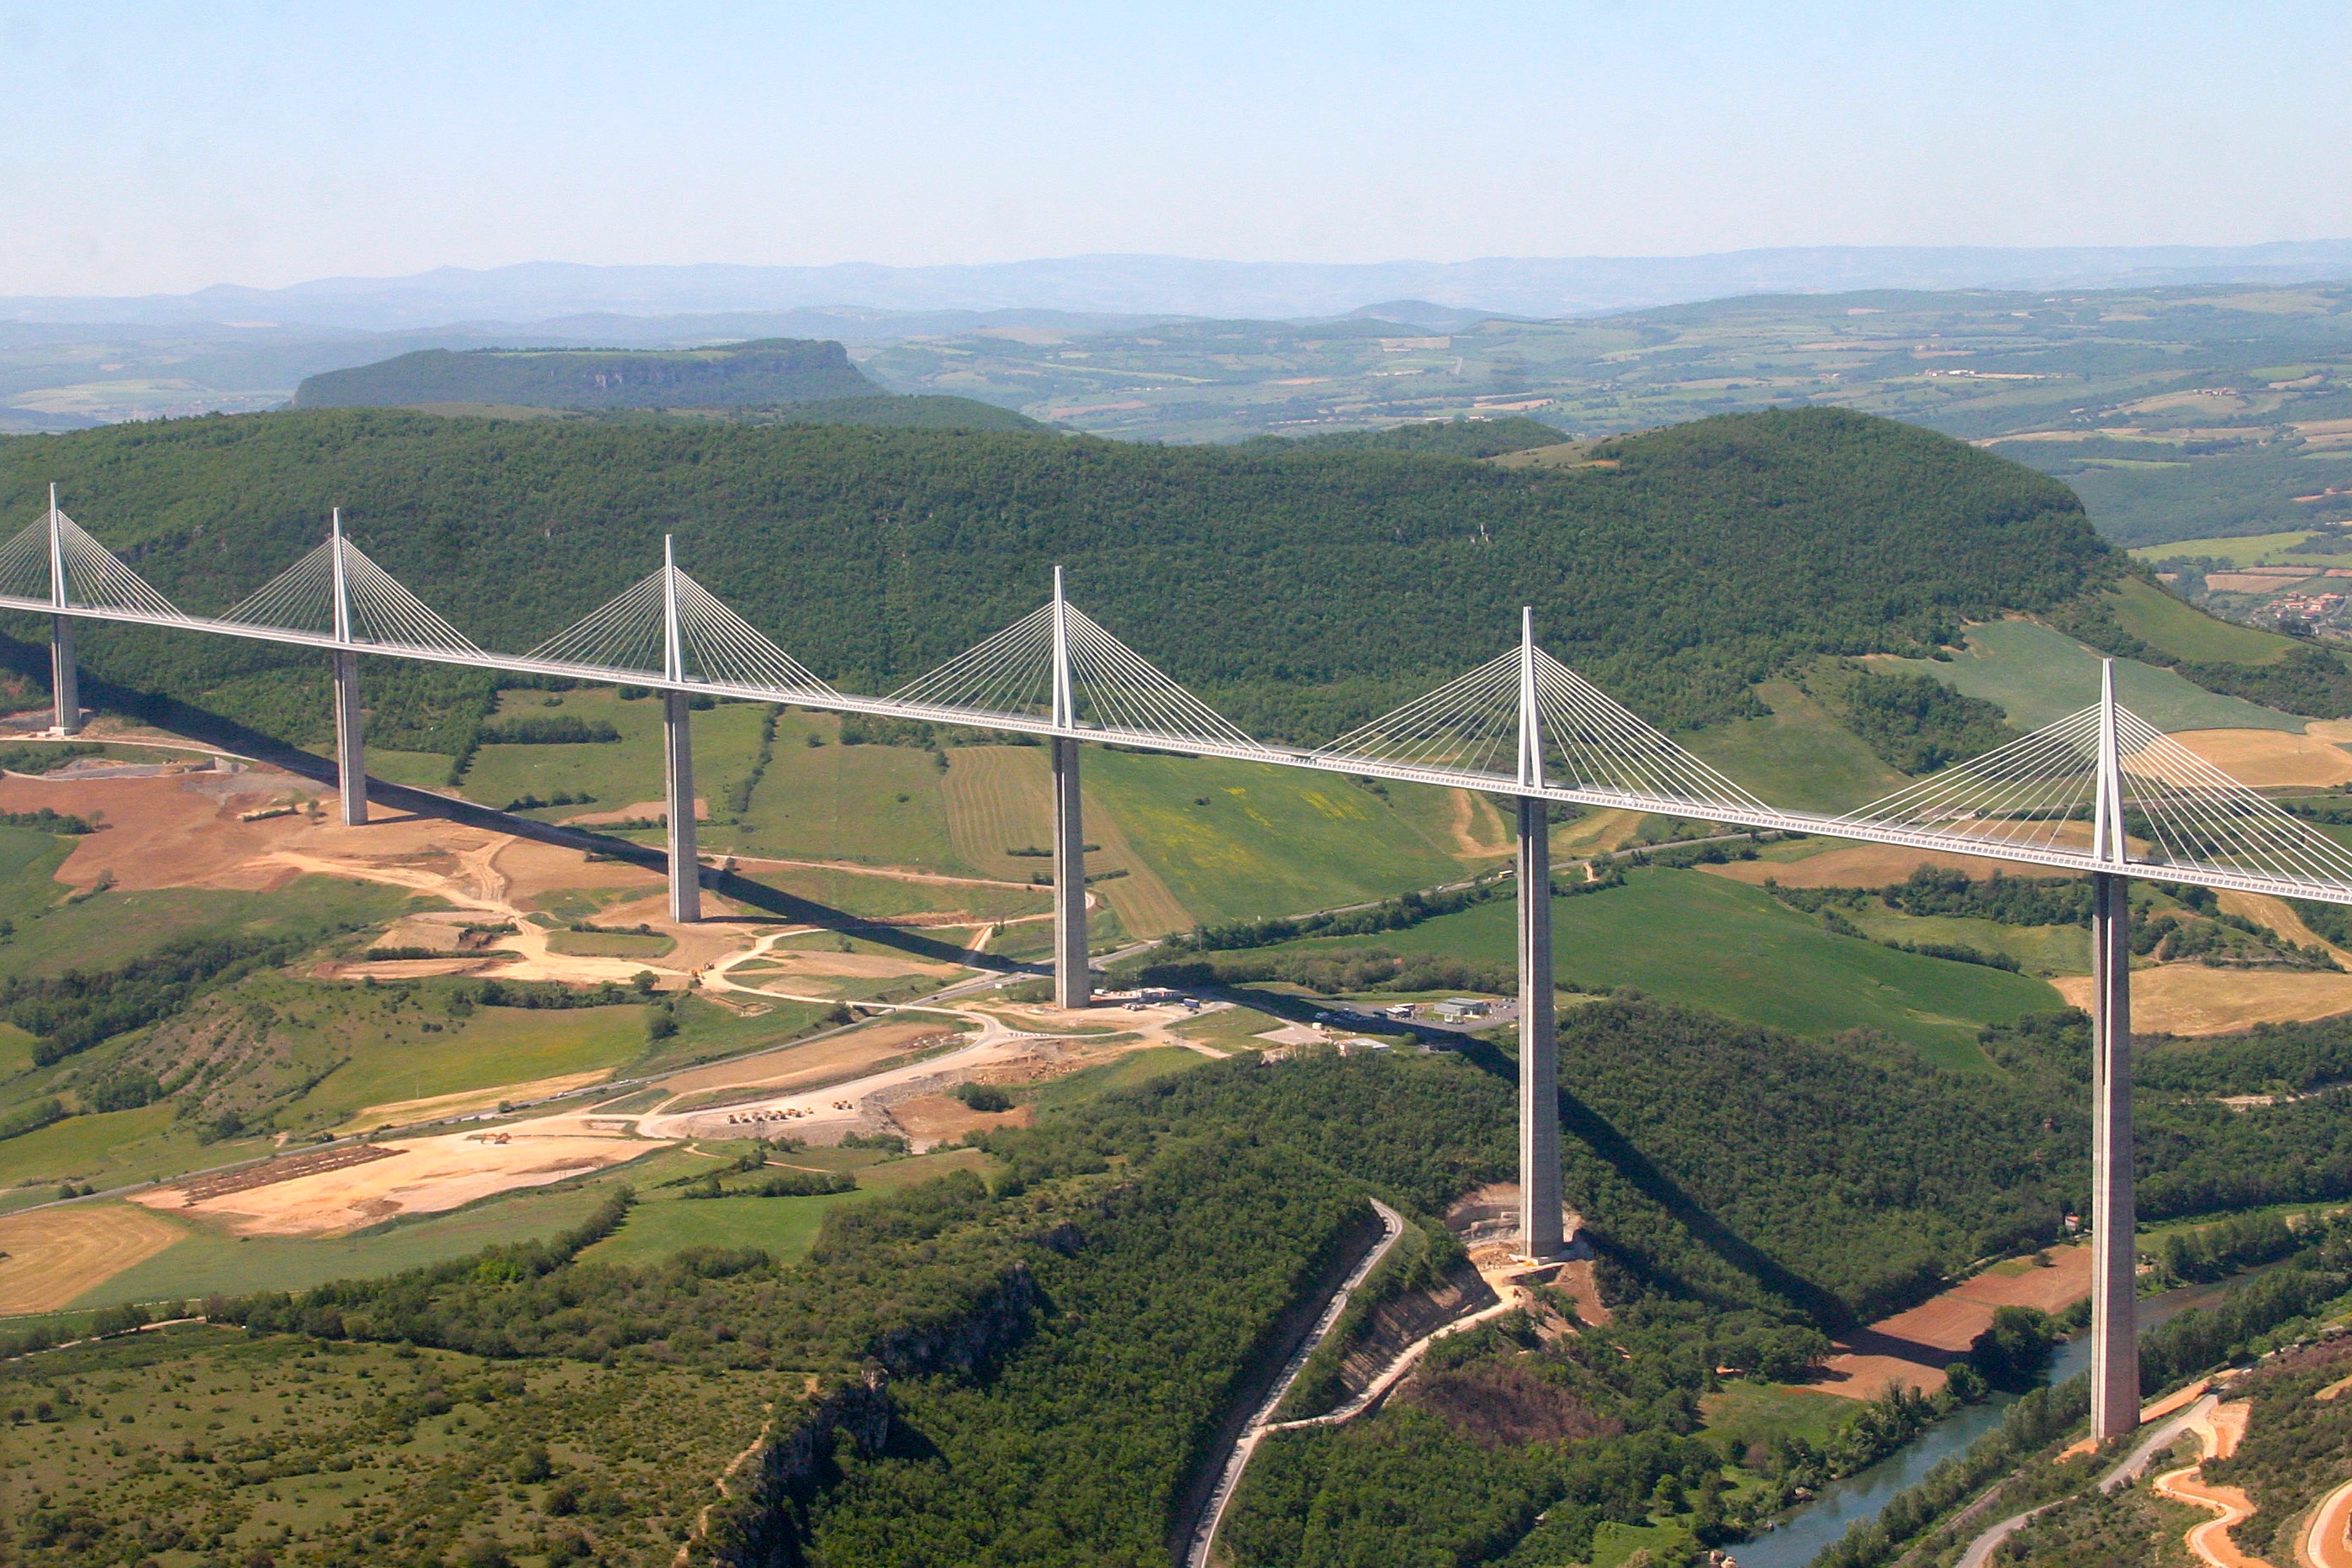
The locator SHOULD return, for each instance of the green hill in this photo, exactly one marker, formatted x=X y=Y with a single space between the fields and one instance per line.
x=775 y=370
x=1443 y=437
x=1304 y=590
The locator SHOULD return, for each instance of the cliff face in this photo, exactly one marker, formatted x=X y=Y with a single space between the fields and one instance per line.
x=761 y=1519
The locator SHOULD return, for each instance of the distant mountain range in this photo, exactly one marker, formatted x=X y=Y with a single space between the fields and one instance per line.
x=1166 y=285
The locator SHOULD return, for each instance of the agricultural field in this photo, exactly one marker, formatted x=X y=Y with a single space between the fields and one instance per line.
x=403 y=1055
x=2038 y=676
x=1234 y=840
x=2156 y=618
x=209 y=1258
x=111 y=1148
x=624 y=777
x=2041 y=950
x=663 y=1222
x=2243 y=550
x=877 y=804
x=1800 y=758
x=1708 y=942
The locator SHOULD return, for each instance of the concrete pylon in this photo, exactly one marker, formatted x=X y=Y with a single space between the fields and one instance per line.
x=678 y=769
x=65 y=681
x=1073 y=984
x=2114 y=1338
x=350 y=734
x=1540 y=1221
x=351 y=742
x=678 y=756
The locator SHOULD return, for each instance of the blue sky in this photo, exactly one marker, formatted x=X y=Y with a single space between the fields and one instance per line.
x=165 y=146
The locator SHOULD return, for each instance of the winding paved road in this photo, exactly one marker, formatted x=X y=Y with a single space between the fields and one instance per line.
x=1204 y=1535
x=2134 y=1465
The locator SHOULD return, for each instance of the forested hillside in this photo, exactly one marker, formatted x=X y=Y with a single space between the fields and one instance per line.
x=1028 y=1372
x=1302 y=590
x=775 y=370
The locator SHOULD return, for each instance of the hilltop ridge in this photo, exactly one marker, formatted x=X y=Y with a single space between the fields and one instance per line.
x=771 y=371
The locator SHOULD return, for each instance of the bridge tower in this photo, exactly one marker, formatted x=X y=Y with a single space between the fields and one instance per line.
x=64 y=685
x=1073 y=986
x=1540 y=1218
x=677 y=755
x=2115 y=1341
x=350 y=735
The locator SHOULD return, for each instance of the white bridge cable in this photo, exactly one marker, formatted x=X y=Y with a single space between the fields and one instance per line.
x=1119 y=689
x=2190 y=813
x=25 y=563
x=1606 y=746
x=1469 y=726
x=1010 y=675
x=719 y=646
x=724 y=649
x=384 y=612
x=2037 y=793
x=96 y=578
x=2040 y=792
x=1112 y=687
x=623 y=635
x=1591 y=742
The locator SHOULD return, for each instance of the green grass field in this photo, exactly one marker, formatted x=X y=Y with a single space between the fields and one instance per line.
x=113 y=1148
x=618 y=774
x=879 y=804
x=1708 y=942
x=2249 y=549
x=2038 y=676
x=392 y=1059
x=15 y=1052
x=417 y=769
x=2040 y=949
x=210 y=1260
x=1760 y=1412
x=880 y=897
x=115 y=927
x=1800 y=758
x=609 y=944
x=784 y=1227
x=1139 y=1067
x=1229 y=1029
x=29 y=859
x=1233 y=840
x=2186 y=632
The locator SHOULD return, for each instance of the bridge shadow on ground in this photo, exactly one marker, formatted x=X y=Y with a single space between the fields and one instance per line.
x=200 y=725
x=778 y=905
x=1613 y=1149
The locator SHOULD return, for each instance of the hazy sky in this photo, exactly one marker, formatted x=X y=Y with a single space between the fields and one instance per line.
x=165 y=146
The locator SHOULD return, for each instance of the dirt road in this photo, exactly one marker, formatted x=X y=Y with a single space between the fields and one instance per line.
x=2324 y=1544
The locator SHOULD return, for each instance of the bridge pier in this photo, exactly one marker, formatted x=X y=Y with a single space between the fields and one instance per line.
x=351 y=742
x=1540 y=1221
x=1072 y=985
x=64 y=683
x=677 y=759
x=2115 y=1340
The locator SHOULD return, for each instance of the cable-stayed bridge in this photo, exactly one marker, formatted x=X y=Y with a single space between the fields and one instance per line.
x=2101 y=792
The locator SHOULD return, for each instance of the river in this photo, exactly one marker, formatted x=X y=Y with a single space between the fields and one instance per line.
x=1807 y=1530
